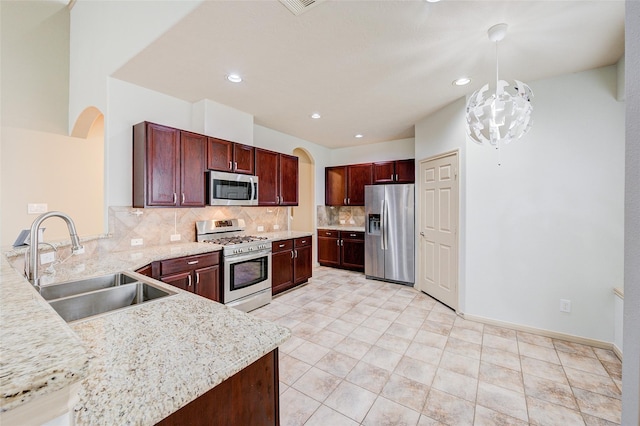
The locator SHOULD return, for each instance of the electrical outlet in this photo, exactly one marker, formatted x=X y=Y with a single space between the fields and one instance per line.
x=260 y=228
x=175 y=237
x=46 y=258
x=565 y=305
x=276 y=227
x=136 y=241
x=342 y=222
x=37 y=208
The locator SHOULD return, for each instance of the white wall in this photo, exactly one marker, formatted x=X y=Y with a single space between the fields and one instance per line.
x=213 y=119
x=399 y=149
x=631 y=364
x=547 y=224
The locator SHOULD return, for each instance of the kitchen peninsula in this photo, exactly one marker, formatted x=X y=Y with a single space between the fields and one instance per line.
x=138 y=365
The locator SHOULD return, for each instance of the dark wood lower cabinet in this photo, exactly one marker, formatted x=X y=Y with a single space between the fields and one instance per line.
x=291 y=263
x=341 y=249
x=250 y=397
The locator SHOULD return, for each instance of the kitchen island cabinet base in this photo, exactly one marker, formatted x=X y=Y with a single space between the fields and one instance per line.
x=250 y=397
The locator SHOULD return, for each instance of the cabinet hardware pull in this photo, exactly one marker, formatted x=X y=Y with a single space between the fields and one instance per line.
x=352 y=235
x=292 y=256
x=345 y=201
x=183 y=198
x=277 y=199
x=193 y=262
x=175 y=198
x=281 y=245
x=348 y=200
x=303 y=241
x=396 y=177
x=296 y=256
x=341 y=243
x=392 y=177
x=197 y=278
x=230 y=165
x=235 y=165
x=337 y=242
x=189 y=281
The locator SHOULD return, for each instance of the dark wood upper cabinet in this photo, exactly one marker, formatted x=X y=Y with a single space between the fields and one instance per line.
x=277 y=178
x=344 y=185
x=168 y=167
x=400 y=171
x=227 y=156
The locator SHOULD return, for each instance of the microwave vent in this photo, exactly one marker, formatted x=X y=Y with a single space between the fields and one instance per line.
x=298 y=7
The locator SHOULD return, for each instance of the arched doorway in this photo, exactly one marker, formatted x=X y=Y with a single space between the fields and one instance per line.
x=303 y=216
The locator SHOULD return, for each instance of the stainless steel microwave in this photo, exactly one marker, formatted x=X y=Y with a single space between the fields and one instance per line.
x=232 y=189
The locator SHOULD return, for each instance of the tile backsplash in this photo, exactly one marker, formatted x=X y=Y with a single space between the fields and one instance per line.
x=344 y=215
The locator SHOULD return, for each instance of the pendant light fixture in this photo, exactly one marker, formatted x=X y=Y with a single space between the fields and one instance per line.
x=502 y=113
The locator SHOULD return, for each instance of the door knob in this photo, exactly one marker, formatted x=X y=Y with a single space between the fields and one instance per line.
x=422 y=233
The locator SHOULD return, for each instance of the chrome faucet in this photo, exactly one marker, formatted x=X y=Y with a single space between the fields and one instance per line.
x=33 y=260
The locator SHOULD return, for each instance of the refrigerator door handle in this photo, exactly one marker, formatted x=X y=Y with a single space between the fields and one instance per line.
x=383 y=231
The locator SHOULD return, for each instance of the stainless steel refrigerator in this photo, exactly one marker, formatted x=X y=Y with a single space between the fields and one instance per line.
x=389 y=234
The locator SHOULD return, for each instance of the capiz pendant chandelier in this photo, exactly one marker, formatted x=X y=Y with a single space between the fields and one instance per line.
x=503 y=113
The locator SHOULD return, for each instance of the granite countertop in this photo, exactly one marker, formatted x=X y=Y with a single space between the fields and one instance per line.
x=135 y=366
x=285 y=235
x=347 y=228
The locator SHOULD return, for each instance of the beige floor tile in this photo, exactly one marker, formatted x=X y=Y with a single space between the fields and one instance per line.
x=328 y=338
x=597 y=405
x=416 y=370
x=388 y=413
x=291 y=344
x=502 y=343
x=546 y=370
x=592 y=382
x=597 y=421
x=351 y=400
x=368 y=376
x=309 y=352
x=543 y=413
x=319 y=320
x=448 y=409
x=501 y=358
x=425 y=353
x=502 y=400
x=296 y=408
x=291 y=369
x=488 y=417
x=459 y=385
x=436 y=327
x=462 y=347
x=416 y=311
x=471 y=325
x=305 y=331
x=574 y=348
x=385 y=314
x=535 y=339
x=584 y=363
x=405 y=391
x=466 y=334
x=393 y=343
x=606 y=355
x=366 y=334
x=428 y=421
x=441 y=317
x=550 y=391
x=337 y=364
x=341 y=326
x=383 y=358
x=505 y=333
x=542 y=353
x=402 y=331
x=430 y=338
x=501 y=376
x=353 y=347
x=317 y=384
x=325 y=416
x=460 y=364
x=410 y=319
x=614 y=369
x=423 y=302
x=353 y=317
x=377 y=324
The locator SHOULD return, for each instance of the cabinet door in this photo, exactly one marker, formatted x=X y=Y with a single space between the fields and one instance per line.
x=220 y=155
x=328 y=247
x=302 y=263
x=358 y=176
x=243 y=158
x=207 y=283
x=281 y=271
x=193 y=151
x=335 y=189
x=163 y=164
x=384 y=172
x=405 y=171
x=352 y=254
x=288 y=180
x=267 y=172
x=182 y=280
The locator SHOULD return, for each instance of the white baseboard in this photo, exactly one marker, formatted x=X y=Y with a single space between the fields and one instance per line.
x=547 y=333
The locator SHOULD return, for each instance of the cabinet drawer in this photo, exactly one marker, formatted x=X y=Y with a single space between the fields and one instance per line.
x=302 y=241
x=284 y=245
x=351 y=235
x=328 y=233
x=188 y=263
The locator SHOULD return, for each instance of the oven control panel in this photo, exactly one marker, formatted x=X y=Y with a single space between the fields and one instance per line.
x=247 y=249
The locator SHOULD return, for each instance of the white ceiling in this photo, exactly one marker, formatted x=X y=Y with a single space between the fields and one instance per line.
x=370 y=67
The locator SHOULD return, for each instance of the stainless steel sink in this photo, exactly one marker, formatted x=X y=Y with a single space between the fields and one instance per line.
x=71 y=288
x=95 y=296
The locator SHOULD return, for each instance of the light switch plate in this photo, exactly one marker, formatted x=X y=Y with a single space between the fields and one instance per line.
x=136 y=241
x=175 y=237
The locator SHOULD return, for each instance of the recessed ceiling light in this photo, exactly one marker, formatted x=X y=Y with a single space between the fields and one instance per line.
x=462 y=81
x=359 y=136
x=234 y=78
x=433 y=1
x=315 y=116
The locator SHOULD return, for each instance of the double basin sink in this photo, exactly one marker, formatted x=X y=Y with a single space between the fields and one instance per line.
x=76 y=300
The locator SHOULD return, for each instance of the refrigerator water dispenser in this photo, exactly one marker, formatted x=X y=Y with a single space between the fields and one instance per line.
x=373 y=221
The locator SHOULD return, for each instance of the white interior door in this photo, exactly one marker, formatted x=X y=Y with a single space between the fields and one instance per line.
x=438 y=228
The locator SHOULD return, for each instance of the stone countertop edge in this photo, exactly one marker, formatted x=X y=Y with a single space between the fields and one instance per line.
x=343 y=228
x=56 y=354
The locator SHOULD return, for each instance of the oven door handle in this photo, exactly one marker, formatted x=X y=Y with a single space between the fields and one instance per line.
x=250 y=255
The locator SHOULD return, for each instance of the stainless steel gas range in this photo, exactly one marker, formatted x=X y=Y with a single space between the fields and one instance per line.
x=246 y=262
